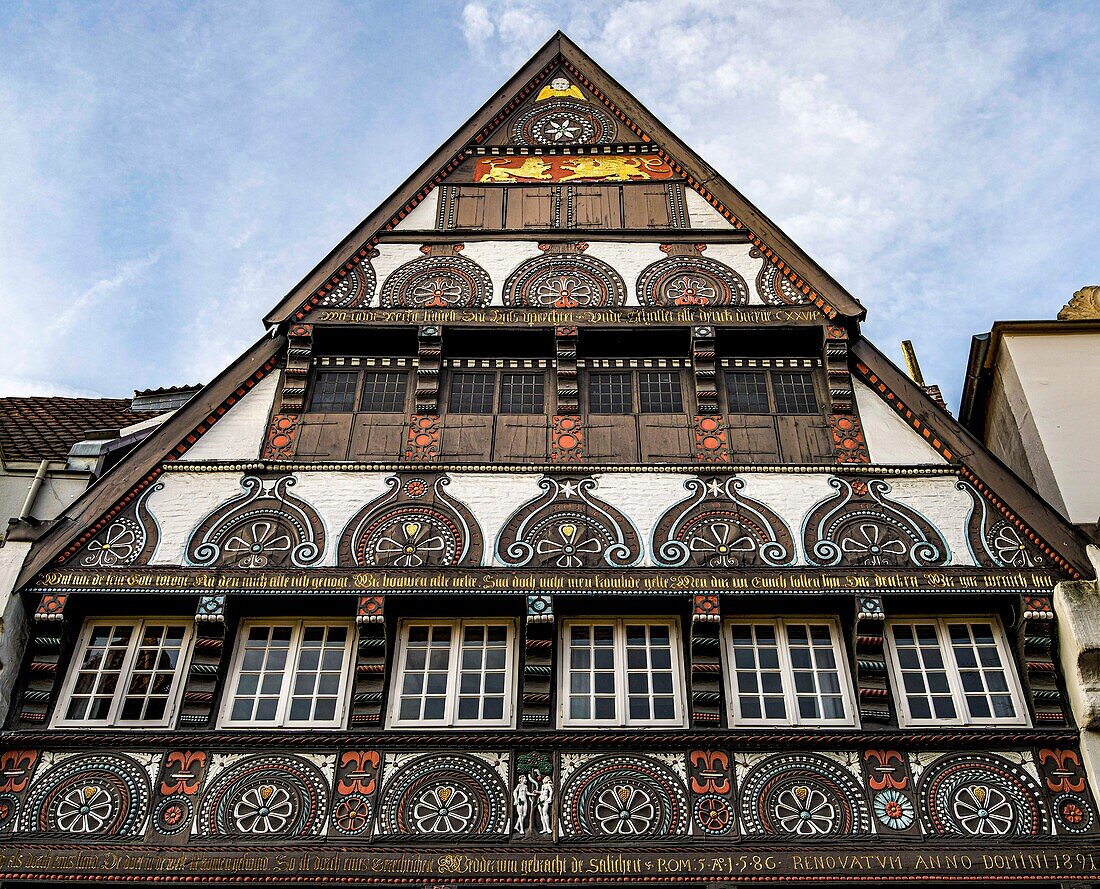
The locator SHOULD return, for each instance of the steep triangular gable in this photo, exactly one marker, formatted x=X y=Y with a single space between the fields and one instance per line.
x=632 y=123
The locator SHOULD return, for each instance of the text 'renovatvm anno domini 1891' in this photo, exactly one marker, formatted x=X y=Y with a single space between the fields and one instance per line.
x=565 y=530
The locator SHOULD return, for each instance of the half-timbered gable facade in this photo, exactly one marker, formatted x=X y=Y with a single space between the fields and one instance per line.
x=564 y=530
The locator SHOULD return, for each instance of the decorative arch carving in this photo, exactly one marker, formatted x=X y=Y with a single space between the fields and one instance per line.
x=691 y=280
x=355 y=289
x=437 y=795
x=415 y=524
x=265 y=796
x=561 y=115
x=266 y=526
x=860 y=526
x=717 y=527
x=128 y=540
x=564 y=281
x=772 y=286
x=567 y=526
x=104 y=794
x=438 y=282
x=994 y=541
x=624 y=797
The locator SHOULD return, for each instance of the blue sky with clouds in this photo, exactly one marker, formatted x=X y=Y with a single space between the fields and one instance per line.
x=171 y=170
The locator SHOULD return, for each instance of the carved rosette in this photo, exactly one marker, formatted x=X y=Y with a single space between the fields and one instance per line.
x=717 y=527
x=564 y=122
x=568 y=527
x=437 y=795
x=564 y=281
x=994 y=541
x=803 y=796
x=104 y=794
x=129 y=539
x=415 y=524
x=265 y=796
x=624 y=797
x=773 y=286
x=691 y=281
x=859 y=526
x=443 y=282
x=266 y=526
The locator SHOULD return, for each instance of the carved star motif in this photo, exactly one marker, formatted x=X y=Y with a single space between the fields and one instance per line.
x=568 y=489
x=714 y=487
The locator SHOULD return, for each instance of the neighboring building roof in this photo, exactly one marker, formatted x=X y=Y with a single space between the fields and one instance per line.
x=47 y=427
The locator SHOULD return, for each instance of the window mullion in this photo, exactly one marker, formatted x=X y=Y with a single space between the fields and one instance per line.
x=952 y=667
x=453 y=673
x=286 y=688
x=786 y=672
x=125 y=669
x=622 y=697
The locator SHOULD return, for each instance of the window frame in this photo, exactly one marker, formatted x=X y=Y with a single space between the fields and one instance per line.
x=633 y=373
x=815 y=372
x=786 y=673
x=449 y=721
x=622 y=720
x=497 y=373
x=1009 y=665
x=299 y=625
x=174 y=696
x=359 y=371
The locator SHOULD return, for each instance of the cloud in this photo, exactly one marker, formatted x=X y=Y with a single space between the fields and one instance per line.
x=476 y=24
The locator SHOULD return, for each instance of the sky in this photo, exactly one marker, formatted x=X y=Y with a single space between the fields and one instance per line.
x=169 y=171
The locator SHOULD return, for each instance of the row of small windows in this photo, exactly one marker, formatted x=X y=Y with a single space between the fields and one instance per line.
x=609 y=392
x=613 y=672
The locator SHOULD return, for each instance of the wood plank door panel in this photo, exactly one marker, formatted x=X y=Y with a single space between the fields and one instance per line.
x=646 y=206
x=466 y=437
x=611 y=437
x=479 y=207
x=521 y=438
x=378 y=437
x=805 y=439
x=323 y=436
x=665 y=438
x=596 y=206
x=531 y=207
x=752 y=439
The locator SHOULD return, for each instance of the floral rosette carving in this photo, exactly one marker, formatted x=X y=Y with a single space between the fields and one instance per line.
x=718 y=527
x=564 y=281
x=994 y=541
x=129 y=539
x=568 y=527
x=691 y=281
x=416 y=523
x=266 y=526
x=564 y=122
x=860 y=526
x=437 y=282
x=624 y=797
x=981 y=795
x=803 y=796
x=100 y=793
x=281 y=796
x=444 y=795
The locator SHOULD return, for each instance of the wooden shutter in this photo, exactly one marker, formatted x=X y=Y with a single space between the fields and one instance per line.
x=378 y=437
x=805 y=439
x=531 y=207
x=596 y=206
x=752 y=439
x=646 y=205
x=323 y=436
x=467 y=437
x=665 y=438
x=611 y=437
x=521 y=438
x=479 y=207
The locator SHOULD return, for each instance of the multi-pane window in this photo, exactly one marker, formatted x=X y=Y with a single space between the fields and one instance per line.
x=788 y=672
x=659 y=392
x=454 y=673
x=771 y=392
x=475 y=392
x=522 y=393
x=125 y=672
x=334 y=391
x=622 y=672
x=609 y=393
x=291 y=673
x=613 y=392
x=955 y=670
x=383 y=391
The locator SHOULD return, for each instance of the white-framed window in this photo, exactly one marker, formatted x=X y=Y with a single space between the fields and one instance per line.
x=454 y=672
x=953 y=670
x=622 y=672
x=788 y=671
x=292 y=673
x=126 y=672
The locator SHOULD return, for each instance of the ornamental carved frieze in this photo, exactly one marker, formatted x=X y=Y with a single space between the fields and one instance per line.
x=128 y=539
x=415 y=524
x=354 y=290
x=564 y=278
x=441 y=280
x=772 y=286
x=994 y=541
x=860 y=526
x=716 y=526
x=266 y=526
x=568 y=526
x=685 y=278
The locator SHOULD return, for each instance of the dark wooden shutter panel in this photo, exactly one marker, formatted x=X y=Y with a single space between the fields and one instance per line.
x=805 y=439
x=521 y=438
x=378 y=437
x=611 y=437
x=752 y=439
x=479 y=207
x=467 y=437
x=530 y=207
x=596 y=206
x=646 y=206
x=665 y=438
x=323 y=437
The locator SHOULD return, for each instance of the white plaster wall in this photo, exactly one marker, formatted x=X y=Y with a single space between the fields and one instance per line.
x=890 y=440
x=187 y=498
x=13 y=634
x=239 y=434
x=1060 y=378
x=57 y=492
x=700 y=213
x=501 y=258
x=423 y=214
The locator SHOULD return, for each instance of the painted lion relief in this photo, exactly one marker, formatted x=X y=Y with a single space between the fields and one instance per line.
x=567 y=526
x=415 y=524
x=860 y=526
x=718 y=527
x=265 y=527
